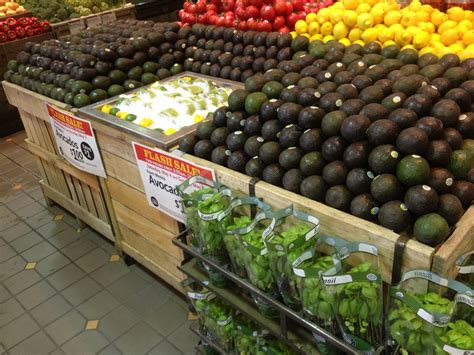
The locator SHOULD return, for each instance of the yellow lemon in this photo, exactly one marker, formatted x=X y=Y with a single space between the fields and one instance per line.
x=106 y=108
x=326 y=29
x=465 y=24
x=456 y=47
x=438 y=18
x=359 y=41
x=388 y=43
x=315 y=37
x=362 y=8
x=467 y=14
x=313 y=28
x=421 y=40
x=392 y=17
x=422 y=16
x=293 y=34
x=311 y=17
x=365 y=21
x=446 y=25
x=328 y=38
x=145 y=122
x=306 y=35
x=455 y=13
x=170 y=131
x=122 y=114
x=415 y=5
x=301 y=27
x=396 y=28
x=427 y=27
x=377 y=15
x=470 y=47
x=340 y=31
x=427 y=8
x=407 y=46
x=465 y=54
x=403 y=38
x=371 y=2
x=409 y=19
x=337 y=5
x=369 y=35
x=385 y=35
x=468 y=37
x=323 y=15
x=435 y=38
x=350 y=18
x=350 y=4
x=345 y=41
x=449 y=37
x=413 y=30
x=437 y=45
x=355 y=34
x=335 y=16
x=443 y=51
x=427 y=50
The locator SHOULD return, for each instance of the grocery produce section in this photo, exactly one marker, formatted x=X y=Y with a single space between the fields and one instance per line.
x=340 y=137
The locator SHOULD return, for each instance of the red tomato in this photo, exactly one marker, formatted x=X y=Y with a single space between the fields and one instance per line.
x=265 y=26
x=228 y=21
x=298 y=5
x=289 y=8
x=191 y=18
x=252 y=12
x=228 y=5
x=200 y=7
x=186 y=5
x=257 y=3
x=230 y=14
x=252 y=24
x=202 y=19
x=211 y=7
x=192 y=9
x=181 y=14
x=242 y=25
x=280 y=7
x=291 y=19
x=241 y=13
x=220 y=21
x=284 y=29
x=278 y=22
x=267 y=12
x=212 y=19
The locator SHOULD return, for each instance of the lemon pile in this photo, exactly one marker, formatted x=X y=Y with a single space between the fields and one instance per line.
x=417 y=26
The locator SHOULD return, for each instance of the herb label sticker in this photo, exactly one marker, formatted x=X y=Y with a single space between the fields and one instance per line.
x=76 y=141
x=161 y=173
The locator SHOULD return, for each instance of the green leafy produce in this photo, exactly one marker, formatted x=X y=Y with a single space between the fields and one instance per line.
x=248 y=335
x=234 y=246
x=460 y=335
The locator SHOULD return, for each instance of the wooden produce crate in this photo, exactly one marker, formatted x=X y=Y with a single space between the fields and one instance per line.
x=144 y=233
x=333 y=222
x=77 y=25
x=78 y=192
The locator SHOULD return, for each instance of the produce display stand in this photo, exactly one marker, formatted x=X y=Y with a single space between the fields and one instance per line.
x=78 y=192
x=20 y=15
x=144 y=233
x=77 y=25
x=397 y=253
x=194 y=327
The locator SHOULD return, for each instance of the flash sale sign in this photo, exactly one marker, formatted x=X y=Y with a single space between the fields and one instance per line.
x=161 y=173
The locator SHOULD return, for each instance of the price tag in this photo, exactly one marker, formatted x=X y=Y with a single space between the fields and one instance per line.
x=76 y=26
x=76 y=141
x=108 y=17
x=161 y=173
x=94 y=21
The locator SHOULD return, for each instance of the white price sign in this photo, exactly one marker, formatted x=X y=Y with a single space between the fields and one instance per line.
x=76 y=141
x=161 y=173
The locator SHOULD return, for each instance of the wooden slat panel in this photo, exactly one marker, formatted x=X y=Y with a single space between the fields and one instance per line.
x=122 y=170
x=116 y=144
x=89 y=199
x=148 y=230
x=99 y=204
x=136 y=200
x=80 y=193
x=84 y=215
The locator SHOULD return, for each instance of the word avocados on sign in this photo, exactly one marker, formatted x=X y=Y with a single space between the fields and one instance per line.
x=161 y=173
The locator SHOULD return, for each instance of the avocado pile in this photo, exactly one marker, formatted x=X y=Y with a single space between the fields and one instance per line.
x=110 y=60
x=383 y=134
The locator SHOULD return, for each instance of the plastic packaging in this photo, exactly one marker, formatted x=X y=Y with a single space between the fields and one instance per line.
x=357 y=296
x=238 y=215
x=422 y=322
x=295 y=232
x=248 y=336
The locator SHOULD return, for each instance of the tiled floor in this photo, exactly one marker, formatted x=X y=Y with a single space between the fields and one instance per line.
x=61 y=289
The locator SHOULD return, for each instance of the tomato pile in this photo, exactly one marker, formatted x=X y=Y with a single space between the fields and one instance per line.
x=12 y=29
x=257 y=15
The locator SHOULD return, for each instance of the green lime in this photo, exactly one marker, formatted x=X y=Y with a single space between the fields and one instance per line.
x=113 y=111
x=130 y=117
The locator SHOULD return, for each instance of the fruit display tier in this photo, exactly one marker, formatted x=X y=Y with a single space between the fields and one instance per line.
x=166 y=110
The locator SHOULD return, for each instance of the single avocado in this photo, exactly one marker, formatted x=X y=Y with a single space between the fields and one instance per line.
x=383 y=131
x=308 y=82
x=252 y=146
x=443 y=85
x=311 y=140
x=288 y=113
x=335 y=173
x=339 y=197
x=290 y=79
x=187 y=143
x=465 y=125
x=430 y=91
x=453 y=137
x=361 y=82
x=456 y=75
x=394 y=215
x=385 y=187
x=273 y=174
x=290 y=136
x=364 y=206
x=268 y=110
x=203 y=149
x=460 y=163
x=448 y=111
x=253 y=125
x=352 y=106
x=403 y=117
x=418 y=103
x=412 y=140
x=438 y=153
x=464 y=191
x=290 y=158
x=331 y=101
x=219 y=117
x=333 y=148
x=235 y=120
x=441 y=180
x=461 y=97
x=237 y=161
x=354 y=128
x=358 y=180
x=432 y=126
x=356 y=154
x=272 y=89
x=394 y=101
x=331 y=123
x=314 y=188
x=306 y=97
x=311 y=117
x=372 y=94
x=220 y=155
x=269 y=152
x=348 y=91
x=312 y=164
x=430 y=229
x=236 y=100
x=449 y=60
x=205 y=129
x=468 y=85
x=450 y=208
x=421 y=199
x=325 y=88
x=378 y=72
x=271 y=129
x=255 y=167
x=413 y=170
x=219 y=136
x=292 y=180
